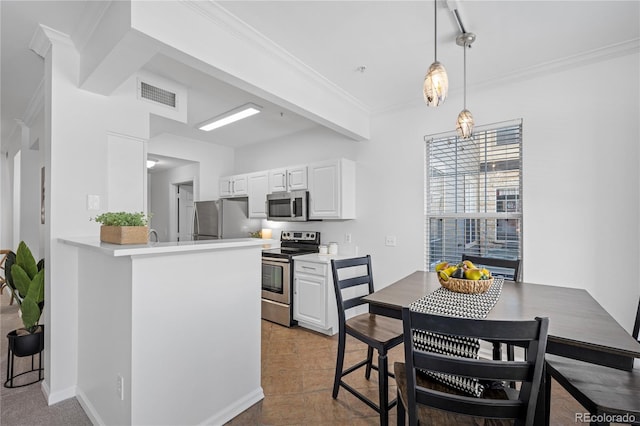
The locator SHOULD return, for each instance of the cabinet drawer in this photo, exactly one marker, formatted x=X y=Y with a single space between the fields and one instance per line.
x=310 y=268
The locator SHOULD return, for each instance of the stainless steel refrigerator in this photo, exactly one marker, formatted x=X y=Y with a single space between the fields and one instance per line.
x=224 y=218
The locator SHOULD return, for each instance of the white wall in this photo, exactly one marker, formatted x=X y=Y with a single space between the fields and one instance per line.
x=77 y=124
x=581 y=201
x=215 y=161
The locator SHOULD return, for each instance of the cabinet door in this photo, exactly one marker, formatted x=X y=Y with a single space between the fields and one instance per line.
x=258 y=187
x=324 y=190
x=278 y=180
x=309 y=301
x=226 y=186
x=240 y=185
x=297 y=178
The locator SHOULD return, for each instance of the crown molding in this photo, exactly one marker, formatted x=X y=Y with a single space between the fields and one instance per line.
x=580 y=59
x=35 y=106
x=236 y=27
x=44 y=36
x=584 y=58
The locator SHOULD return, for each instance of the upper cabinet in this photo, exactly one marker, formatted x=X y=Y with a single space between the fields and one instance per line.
x=233 y=186
x=332 y=189
x=258 y=188
x=288 y=179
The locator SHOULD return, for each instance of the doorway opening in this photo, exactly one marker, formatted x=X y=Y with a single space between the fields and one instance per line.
x=184 y=211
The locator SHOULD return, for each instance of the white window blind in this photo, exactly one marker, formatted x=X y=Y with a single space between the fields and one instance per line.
x=473 y=194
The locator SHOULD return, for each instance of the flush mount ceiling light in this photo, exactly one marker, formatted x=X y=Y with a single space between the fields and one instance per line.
x=151 y=163
x=229 y=117
x=436 y=82
x=464 y=125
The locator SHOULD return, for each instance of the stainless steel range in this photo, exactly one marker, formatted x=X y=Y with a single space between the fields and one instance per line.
x=277 y=274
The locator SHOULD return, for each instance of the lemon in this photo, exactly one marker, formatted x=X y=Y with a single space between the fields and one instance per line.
x=486 y=272
x=442 y=265
x=473 y=274
x=450 y=270
x=443 y=276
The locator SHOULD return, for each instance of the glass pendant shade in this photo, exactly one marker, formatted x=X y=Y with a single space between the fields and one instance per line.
x=436 y=85
x=464 y=125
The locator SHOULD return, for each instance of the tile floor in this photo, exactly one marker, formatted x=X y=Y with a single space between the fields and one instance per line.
x=297 y=378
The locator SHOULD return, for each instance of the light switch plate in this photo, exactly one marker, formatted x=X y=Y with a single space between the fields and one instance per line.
x=93 y=202
x=390 y=240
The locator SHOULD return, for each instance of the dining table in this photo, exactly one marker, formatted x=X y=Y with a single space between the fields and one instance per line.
x=579 y=327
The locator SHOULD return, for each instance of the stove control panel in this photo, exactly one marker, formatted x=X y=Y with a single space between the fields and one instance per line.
x=300 y=236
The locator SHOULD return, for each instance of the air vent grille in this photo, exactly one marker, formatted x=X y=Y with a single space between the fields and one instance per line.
x=157 y=94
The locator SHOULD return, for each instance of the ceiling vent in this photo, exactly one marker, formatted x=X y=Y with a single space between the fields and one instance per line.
x=156 y=94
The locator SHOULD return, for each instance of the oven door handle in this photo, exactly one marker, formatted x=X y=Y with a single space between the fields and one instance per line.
x=275 y=259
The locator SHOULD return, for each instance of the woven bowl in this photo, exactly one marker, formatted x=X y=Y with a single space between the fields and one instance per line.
x=466 y=286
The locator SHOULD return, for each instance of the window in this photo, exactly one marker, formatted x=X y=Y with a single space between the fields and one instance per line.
x=473 y=194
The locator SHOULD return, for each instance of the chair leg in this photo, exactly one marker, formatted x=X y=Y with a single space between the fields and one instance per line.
x=547 y=396
x=367 y=373
x=383 y=385
x=339 y=364
x=400 y=413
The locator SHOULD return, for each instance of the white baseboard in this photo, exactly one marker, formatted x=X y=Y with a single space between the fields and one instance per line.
x=234 y=410
x=55 y=397
x=88 y=408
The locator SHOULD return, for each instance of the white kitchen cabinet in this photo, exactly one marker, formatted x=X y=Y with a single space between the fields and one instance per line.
x=288 y=179
x=314 y=301
x=314 y=298
x=233 y=186
x=332 y=189
x=257 y=189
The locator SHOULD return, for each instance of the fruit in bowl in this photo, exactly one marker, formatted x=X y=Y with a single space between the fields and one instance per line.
x=464 y=277
x=463 y=270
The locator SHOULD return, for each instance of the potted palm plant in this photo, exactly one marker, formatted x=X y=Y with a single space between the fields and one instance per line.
x=26 y=280
x=124 y=227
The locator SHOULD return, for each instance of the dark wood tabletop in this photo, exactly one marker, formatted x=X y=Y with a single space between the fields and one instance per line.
x=578 y=326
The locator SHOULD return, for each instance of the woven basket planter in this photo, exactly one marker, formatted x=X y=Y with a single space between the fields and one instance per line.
x=466 y=286
x=124 y=234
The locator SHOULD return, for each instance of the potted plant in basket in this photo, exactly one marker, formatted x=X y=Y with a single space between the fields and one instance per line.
x=124 y=227
x=26 y=280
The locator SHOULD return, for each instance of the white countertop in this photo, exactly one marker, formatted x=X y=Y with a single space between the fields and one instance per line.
x=94 y=243
x=322 y=258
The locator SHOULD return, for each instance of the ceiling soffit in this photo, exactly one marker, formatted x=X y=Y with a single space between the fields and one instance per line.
x=113 y=53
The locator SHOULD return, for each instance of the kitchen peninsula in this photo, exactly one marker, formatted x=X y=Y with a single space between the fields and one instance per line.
x=168 y=333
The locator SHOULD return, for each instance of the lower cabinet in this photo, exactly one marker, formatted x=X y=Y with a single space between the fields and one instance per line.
x=314 y=300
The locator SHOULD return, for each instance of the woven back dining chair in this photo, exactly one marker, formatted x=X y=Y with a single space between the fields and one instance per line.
x=353 y=279
x=510 y=270
x=424 y=397
x=600 y=390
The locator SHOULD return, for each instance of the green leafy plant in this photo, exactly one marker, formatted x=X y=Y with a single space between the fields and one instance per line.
x=26 y=279
x=123 y=219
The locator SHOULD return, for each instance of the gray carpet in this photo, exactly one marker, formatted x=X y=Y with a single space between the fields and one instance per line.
x=27 y=405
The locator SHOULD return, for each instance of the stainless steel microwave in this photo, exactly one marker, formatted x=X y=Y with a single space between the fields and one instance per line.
x=288 y=206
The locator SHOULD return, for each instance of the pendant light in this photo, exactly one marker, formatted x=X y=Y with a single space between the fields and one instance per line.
x=436 y=82
x=464 y=125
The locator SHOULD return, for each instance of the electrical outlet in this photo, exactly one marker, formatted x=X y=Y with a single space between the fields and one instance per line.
x=347 y=238
x=390 y=240
x=120 y=386
x=93 y=202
